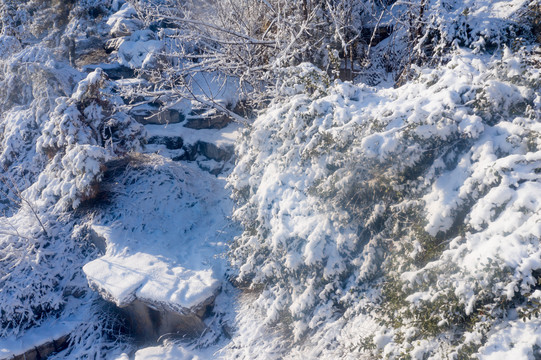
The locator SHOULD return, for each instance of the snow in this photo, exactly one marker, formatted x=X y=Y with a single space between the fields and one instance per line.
x=9 y=45
x=48 y=331
x=146 y=277
x=140 y=52
x=172 y=352
x=300 y=158
x=513 y=340
x=222 y=138
x=93 y=79
x=365 y=210
x=124 y=20
x=167 y=256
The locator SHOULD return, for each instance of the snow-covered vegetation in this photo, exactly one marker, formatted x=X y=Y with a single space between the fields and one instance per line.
x=410 y=206
x=386 y=179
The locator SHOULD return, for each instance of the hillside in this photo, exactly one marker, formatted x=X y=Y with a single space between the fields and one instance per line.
x=270 y=179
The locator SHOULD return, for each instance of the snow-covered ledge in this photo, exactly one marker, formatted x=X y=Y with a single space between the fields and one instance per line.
x=156 y=298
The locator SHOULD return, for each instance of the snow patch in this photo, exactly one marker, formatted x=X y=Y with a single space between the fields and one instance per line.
x=150 y=279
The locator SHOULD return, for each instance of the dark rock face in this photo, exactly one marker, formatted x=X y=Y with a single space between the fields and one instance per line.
x=163 y=24
x=112 y=45
x=119 y=72
x=206 y=119
x=156 y=116
x=148 y=322
x=88 y=50
x=190 y=153
x=89 y=44
x=98 y=241
x=376 y=35
x=44 y=350
x=214 y=152
x=208 y=150
x=170 y=142
x=213 y=122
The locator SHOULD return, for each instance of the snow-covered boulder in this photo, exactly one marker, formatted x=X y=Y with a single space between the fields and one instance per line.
x=140 y=50
x=124 y=21
x=155 y=297
x=160 y=232
x=206 y=119
x=122 y=279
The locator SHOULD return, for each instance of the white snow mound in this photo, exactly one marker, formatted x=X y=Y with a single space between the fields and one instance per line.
x=150 y=279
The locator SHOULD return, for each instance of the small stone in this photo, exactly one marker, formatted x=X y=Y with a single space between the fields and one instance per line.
x=157 y=117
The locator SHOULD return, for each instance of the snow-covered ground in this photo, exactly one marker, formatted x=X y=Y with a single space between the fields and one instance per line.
x=48 y=331
x=165 y=228
x=399 y=220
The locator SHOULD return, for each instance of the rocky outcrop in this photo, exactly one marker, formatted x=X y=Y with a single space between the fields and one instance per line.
x=87 y=50
x=148 y=322
x=215 y=152
x=124 y=22
x=152 y=114
x=154 y=297
x=114 y=71
x=376 y=35
x=44 y=350
x=170 y=142
x=117 y=72
x=206 y=119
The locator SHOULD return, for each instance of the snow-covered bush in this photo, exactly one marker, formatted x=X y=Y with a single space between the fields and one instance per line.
x=35 y=250
x=41 y=277
x=249 y=41
x=82 y=133
x=265 y=34
x=344 y=189
x=30 y=80
x=484 y=255
x=427 y=30
x=53 y=144
x=89 y=117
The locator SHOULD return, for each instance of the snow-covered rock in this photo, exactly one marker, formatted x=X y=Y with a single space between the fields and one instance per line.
x=152 y=114
x=122 y=279
x=155 y=297
x=124 y=21
x=159 y=265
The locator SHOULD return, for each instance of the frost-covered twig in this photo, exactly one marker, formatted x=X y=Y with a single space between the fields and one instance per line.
x=249 y=39
x=15 y=190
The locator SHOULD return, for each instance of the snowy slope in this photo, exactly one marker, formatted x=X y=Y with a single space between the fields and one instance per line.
x=391 y=221
x=164 y=229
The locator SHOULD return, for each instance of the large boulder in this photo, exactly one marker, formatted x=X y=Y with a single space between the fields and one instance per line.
x=155 y=297
x=214 y=151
